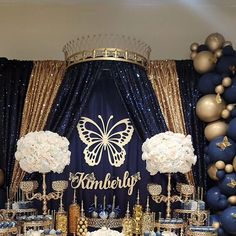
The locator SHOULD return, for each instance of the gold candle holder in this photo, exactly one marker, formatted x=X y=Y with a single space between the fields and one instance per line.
x=128 y=223
x=147 y=219
x=74 y=214
x=82 y=226
x=61 y=219
x=28 y=187
x=155 y=191
x=137 y=216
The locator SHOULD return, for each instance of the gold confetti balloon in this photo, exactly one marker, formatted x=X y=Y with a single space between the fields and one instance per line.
x=226 y=82
x=204 y=62
x=194 y=47
x=232 y=200
x=225 y=114
x=211 y=171
x=220 y=165
x=219 y=89
x=234 y=163
x=218 y=53
x=215 y=41
x=229 y=168
x=215 y=129
x=208 y=109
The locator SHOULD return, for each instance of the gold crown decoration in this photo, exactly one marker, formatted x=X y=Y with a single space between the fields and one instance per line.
x=107 y=47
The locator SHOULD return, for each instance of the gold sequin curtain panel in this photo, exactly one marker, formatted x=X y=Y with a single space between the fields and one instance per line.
x=164 y=78
x=45 y=80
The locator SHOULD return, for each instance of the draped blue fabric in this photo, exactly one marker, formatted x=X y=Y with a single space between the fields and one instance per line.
x=107 y=88
x=14 y=79
x=188 y=78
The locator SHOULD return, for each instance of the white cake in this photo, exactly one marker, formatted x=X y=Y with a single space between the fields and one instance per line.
x=105 y=232
x=167 y=233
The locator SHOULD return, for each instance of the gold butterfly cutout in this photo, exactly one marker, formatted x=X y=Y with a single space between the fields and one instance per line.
x=223 y=145
x=104 y=139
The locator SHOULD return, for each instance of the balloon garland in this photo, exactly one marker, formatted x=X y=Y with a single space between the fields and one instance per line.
x=216 y=61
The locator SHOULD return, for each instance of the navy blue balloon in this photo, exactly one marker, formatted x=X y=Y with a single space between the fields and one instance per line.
x=233 y=113
x=230 y=93
x=221 y=232
x=220 y=174
x=202 y=47
x=208 y=82
x=214 y=219
x=216 y=200
x=228 y=50
x=228 y=220
x=231 y=132
x=226 y=185
x=217 y=154
x=223 y=65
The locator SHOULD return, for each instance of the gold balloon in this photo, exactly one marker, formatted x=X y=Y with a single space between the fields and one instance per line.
x=227 y=81
x=230 y=107
x=208 y=109
x=225 y=114
x=216 y=225
x=215 y=129
x=229 y=168
x=193 y=55
x=227 y=43
x=194 y=47
x=215 y=41
x=204 y=61
x=220 y=165
x=234 y=163
x=1 y=177
x=232 y=200
x=219 y=89
x=211 y=171
x=218 y=53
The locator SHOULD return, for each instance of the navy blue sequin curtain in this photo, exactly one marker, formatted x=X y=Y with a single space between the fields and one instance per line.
x=72 y=97
x=76 y=97
x=139 y=99
x=14 y=79
x=190 y=95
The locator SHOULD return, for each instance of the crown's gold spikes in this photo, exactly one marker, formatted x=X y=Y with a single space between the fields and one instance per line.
x=107 y=47
x=223 y=145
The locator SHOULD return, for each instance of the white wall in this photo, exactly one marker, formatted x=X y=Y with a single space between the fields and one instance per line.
x=38 y=31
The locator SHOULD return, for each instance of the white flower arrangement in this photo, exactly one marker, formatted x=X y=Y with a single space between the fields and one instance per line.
x=168 y=153
x=42 y=152
x=168 y=233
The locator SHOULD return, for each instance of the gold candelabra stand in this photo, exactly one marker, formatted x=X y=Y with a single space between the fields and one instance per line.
x=28 y=187
x=185 y=192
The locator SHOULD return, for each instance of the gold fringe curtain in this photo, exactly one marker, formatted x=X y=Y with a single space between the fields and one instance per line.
x=45 y=80
x=164 y=78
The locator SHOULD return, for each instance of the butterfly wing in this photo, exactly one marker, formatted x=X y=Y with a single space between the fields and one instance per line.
x=117 y=141
x=116 y=154
x=93 y=140
x=124 y=136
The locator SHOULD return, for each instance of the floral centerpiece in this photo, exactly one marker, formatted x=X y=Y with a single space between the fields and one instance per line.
x=42 y=152
x=168 y=153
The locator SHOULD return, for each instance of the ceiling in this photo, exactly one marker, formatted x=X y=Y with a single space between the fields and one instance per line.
x=38 y=29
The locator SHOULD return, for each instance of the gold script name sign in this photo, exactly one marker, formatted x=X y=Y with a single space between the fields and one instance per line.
x=89 y=181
